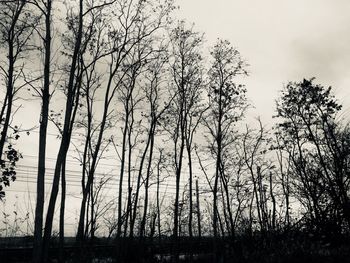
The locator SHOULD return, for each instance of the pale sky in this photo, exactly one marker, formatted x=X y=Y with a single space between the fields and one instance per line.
x=282 y=40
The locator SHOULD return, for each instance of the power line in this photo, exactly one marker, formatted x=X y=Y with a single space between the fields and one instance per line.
x=108 y=185
x=79 y=173
x=78 y=197
x=31 y=178
x=99 y=163
x=68 y=161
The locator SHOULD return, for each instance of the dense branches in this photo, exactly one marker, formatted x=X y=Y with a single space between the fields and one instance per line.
x=158 y=129
x=315 y=143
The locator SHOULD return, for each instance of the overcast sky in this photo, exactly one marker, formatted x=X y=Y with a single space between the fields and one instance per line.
x=282 y=40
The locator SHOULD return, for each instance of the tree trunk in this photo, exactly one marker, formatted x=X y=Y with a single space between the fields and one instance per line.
x=85 y=158
x=273 y=204
x=190 y=218
x=91 y=173
x=92 y=213
x=40 y=189
x=62 y=210
x=158 y=198
x=128 y=205
x=148 y=174
x=138 y=184
x=178 y=177
x=71 y=107
x=9 y=93
x=198 y=211
x=11 y=56
x=129 y=197
x=54 y=192
x=228 y=204
x=122 y=165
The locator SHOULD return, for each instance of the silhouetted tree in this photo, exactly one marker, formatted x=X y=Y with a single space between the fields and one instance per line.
x=226 y=106
x=45 y=9
x=186 y=63
x=132 y=26
x=16 y=30
x=314 y=140
x=72 y=91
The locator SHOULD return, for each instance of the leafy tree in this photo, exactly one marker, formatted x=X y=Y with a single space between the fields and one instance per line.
x=314 y=139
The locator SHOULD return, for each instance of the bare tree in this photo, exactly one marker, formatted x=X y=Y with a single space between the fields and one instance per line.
x=91 y=86
x=155 y=95
x=129 y=105
x=132 y=26
x=46 y=10
x=72 y=90
x=187 y=79
x=284 y=165
x=153 y=89
x=226 y=106
x=251 y=148
x=16 y=29
x=15 y=32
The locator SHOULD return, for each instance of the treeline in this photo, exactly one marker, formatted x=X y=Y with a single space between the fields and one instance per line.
x=139 y=84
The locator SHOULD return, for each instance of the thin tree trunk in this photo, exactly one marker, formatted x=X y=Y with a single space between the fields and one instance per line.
x=178 y=177
x=122 y=165
x=40 y=189
x=190 y=219
x=9 y=93
x=91 y=173
x=226 y=217
x=228 y=205
x=128 y=206
x=273 y=204
x=158 y=198
x=198 y=211
x=10 y=90
x=148 y=174
x=71 y=108
x=62 y=211
x=255 y=188
x=138 y=184
x=217 y=170
x=92 y=213
x=86 y=155
x=88 y=206
x=54 y=192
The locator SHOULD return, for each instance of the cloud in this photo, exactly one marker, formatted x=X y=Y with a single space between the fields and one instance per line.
x=326 y=55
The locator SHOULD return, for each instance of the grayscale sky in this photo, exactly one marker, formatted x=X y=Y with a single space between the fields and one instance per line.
x=282 y=40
